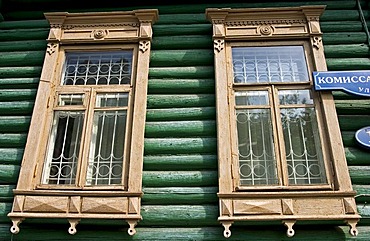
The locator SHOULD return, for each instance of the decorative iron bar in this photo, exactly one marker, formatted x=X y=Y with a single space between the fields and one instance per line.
x=108 y=68
x=64 y=147
x=108 y=140
x=269 y=64
x=257 y=155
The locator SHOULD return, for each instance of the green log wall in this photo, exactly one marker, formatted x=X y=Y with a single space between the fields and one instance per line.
x=180 y=162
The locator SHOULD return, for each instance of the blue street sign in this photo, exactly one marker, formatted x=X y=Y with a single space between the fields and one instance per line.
x=363 y=136
x=354 y=82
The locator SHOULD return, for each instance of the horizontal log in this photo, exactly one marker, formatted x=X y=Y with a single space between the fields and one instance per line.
x=201 y=72
x=24 y=34
x=341 y=26
x=179 y=146
x=25 y=24
x=174 y=215
x=17 y=94
x=12 y=140
x=118 y=232
x=5 y=208
x=19 y=83
x=179 y=58
x=363 y=193
x=22 y=72
x=344 y=38
x=6 y=193
x=179 y=162
x=348 y=64
x=357 y=156
x=183 y=18
x=342 y=95
x=24 y=58
x=11 y=156
x=353 y=107
x=32 y=45
x=14 y=124
x=177 y=101
x=28 y=14
x=16 y=107
x=180 y=129
x=181 y=29
x=181 y=42
x=181 y=86
x=179 y=195
x=340 y=15
x=346 y=122
x=346 y=51
x=360 y=174
x=9 y=174
x=348 y=138
x=172 y=114
x=179 y=178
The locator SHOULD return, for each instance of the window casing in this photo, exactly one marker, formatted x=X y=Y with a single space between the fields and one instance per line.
x=84 y=152
x=280 y=152
x=87 y=145
x=273 y=98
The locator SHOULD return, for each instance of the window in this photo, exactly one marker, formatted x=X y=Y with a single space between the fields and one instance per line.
x=279 y=144
x=84 y=153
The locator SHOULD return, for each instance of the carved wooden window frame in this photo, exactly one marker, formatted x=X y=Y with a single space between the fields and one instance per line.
x=87 y=32
x=266 y=27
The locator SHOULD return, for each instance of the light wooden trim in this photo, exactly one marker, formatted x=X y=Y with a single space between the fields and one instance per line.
x=88 y=32
x=277 y=27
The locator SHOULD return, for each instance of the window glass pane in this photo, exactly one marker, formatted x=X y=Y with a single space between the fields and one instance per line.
x=112 y=100
x=64 y=147
x=302 y=146
x=98 y=68
x=108 y=140
x=257 y=163
x=251 y=98
x=70 y=99
x=291 y=97
x=269 y=64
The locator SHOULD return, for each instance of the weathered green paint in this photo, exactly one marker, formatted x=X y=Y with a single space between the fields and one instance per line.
x=23 y=34
x=181 y=72
x=177 y=101
x=180 y=162
x=347 y=123
x=14 y=124
x=181 y=86
x=191 y=113
x=12 y=140
x=22 y=72
x=18 y=83
x=180 y=128
x=24 y=58
x=179 y=145
x=345 y=50
x=23 y=46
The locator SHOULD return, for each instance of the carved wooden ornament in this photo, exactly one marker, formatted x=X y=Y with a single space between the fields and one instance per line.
x=100 y=31
x=258 y=27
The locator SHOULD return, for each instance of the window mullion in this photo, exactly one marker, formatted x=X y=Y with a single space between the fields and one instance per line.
x=85 y=147
x=278 y=137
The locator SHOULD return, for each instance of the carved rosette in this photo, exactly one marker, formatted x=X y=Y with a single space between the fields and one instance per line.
x=266 y=30
x=99 y=33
